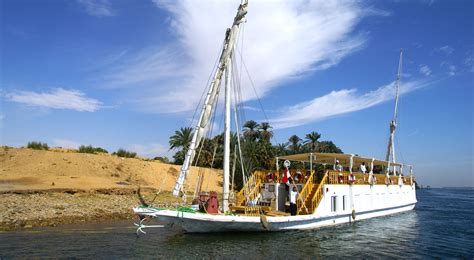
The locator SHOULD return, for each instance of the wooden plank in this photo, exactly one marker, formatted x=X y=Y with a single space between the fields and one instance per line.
x=242 y=208
x=276 y=213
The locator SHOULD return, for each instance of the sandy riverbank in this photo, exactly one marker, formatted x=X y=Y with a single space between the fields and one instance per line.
x=54 y=208
x=47 y=188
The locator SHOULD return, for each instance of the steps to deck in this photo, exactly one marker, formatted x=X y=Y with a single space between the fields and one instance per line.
x=312 y=193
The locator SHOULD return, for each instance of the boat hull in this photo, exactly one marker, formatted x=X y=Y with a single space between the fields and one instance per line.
x=203 y=223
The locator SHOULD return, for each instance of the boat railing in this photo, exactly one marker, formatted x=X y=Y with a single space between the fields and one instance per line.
x=336 y=177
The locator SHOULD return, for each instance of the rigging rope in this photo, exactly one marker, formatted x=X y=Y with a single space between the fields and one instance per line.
x=237 y=84
x=256 y=94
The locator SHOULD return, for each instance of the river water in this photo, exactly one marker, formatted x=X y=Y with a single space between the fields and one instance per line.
x=441 y=226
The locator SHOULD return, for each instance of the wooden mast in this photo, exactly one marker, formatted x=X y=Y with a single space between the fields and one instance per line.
x=390 y=157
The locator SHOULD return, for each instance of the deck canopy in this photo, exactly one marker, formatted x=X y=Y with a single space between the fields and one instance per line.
x=329 y=158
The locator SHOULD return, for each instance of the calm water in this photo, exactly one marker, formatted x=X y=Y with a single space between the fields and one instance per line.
x=442 y=225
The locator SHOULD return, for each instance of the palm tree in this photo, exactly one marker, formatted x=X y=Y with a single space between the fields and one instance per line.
x=265 y=133
x=312 y=140
x=280 y=149
x=181 y=139
x=328 y=147
x=250 y=130
x=295 y=144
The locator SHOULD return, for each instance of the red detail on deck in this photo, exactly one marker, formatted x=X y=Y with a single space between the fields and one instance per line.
x=212 y=205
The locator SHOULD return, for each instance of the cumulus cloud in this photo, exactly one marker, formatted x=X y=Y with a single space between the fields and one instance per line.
x=338 y=103
x=282 y=40
x=98 y=8
x=58 y=98
x=448 y=50
x=425 y=70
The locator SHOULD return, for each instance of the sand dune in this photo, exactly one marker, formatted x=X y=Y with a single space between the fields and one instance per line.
x=26 y=169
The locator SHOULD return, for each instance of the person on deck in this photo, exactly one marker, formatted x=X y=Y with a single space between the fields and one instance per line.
x=363 y=169
x=287 y=179
x=338 y=166
x=293 y=194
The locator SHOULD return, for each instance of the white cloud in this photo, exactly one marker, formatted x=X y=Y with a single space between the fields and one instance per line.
x=448 y=50
x=452 y=70
x=282 y=40
x=150 y=150
x=64 y=143
x=425 y=70
x=98 y=8
x=338 y=103
x=469 y=62
x=58 y=98
x=428 y=2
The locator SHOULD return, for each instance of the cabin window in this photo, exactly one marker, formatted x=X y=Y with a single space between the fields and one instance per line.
x=271 y=188
x=344 y=202
x=333 y=203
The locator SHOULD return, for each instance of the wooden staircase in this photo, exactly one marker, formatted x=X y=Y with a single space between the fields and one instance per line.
x=311 y=195
x=250 y=190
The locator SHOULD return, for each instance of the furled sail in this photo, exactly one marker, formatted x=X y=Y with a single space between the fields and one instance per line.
x=211 y=98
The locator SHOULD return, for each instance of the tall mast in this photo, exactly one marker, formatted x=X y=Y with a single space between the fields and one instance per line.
x=393 y=123
x=211 y=98
x=225 y=182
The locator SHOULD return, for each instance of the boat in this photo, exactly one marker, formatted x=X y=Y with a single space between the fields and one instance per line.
x=331 y=188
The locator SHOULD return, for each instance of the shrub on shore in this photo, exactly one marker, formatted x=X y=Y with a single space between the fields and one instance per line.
x=91 y=149
x=162 y=159
x=38 y=146
x=125 y=153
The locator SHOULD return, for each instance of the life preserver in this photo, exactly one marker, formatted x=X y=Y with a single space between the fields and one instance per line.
x=270 y=177
x=340 y=178
x=351 y=178
x=353 y=214
x=298 y=176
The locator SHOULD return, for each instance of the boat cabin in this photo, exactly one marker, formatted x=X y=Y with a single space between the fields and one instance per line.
x=309 y=172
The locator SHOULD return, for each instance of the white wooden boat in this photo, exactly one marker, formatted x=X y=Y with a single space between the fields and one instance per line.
x=327 y=195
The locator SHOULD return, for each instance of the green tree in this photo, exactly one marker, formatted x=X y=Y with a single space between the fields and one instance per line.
x=328 y=147
x=180 y=141
x=37 y=146
x=91 y=149
x=311 y=140
x=251 y=130
x=280 y=149
x=294 y=144
x=163 y=159
x=265 y=133
x=124 y=153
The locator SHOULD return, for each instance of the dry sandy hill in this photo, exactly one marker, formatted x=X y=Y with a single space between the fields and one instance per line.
x=25 y=169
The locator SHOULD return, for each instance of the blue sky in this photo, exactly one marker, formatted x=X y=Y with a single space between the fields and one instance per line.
x=127 y=74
